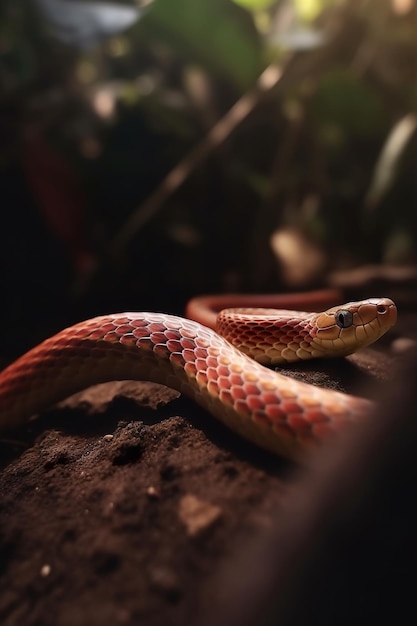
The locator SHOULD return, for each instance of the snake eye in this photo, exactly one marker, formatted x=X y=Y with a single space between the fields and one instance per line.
x=344 y=318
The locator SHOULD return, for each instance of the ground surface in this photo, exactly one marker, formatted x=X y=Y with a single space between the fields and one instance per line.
x=128 y=500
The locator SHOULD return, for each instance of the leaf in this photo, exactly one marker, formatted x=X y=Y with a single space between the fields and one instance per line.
x=388 y=164
x=255 y=5
x=308 y=10
x=213 y=33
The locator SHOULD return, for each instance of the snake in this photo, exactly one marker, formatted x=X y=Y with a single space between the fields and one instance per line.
x=229 y=371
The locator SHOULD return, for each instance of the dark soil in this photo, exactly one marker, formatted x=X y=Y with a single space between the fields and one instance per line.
x=126 y=504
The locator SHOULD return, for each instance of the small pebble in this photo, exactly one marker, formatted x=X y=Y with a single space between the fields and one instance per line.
x=152 y=492
x=45 y=570
x=197 y=514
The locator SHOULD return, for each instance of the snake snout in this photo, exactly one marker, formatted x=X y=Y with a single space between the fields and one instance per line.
x=386 y=312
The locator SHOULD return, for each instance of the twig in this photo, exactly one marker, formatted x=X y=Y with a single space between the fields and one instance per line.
x=176 y=177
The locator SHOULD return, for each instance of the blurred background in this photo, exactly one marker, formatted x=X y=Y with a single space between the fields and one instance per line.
x=155 y=150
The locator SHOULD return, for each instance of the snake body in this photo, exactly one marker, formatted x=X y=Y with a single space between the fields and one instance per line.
x=272 y=410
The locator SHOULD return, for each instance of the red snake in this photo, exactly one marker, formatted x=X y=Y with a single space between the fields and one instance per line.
x=270 y=409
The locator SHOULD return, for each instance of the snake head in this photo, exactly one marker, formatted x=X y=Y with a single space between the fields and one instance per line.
x=346 y=328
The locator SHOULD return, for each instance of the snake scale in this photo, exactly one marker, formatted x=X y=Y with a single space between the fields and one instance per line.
x=224 y=374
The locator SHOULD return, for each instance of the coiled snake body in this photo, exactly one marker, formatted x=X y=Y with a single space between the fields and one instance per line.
x=270 y=409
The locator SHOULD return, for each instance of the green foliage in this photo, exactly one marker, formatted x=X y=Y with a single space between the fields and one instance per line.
x=309 y=153
x=215 y=34
x=310 y=9
x=255 y=5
